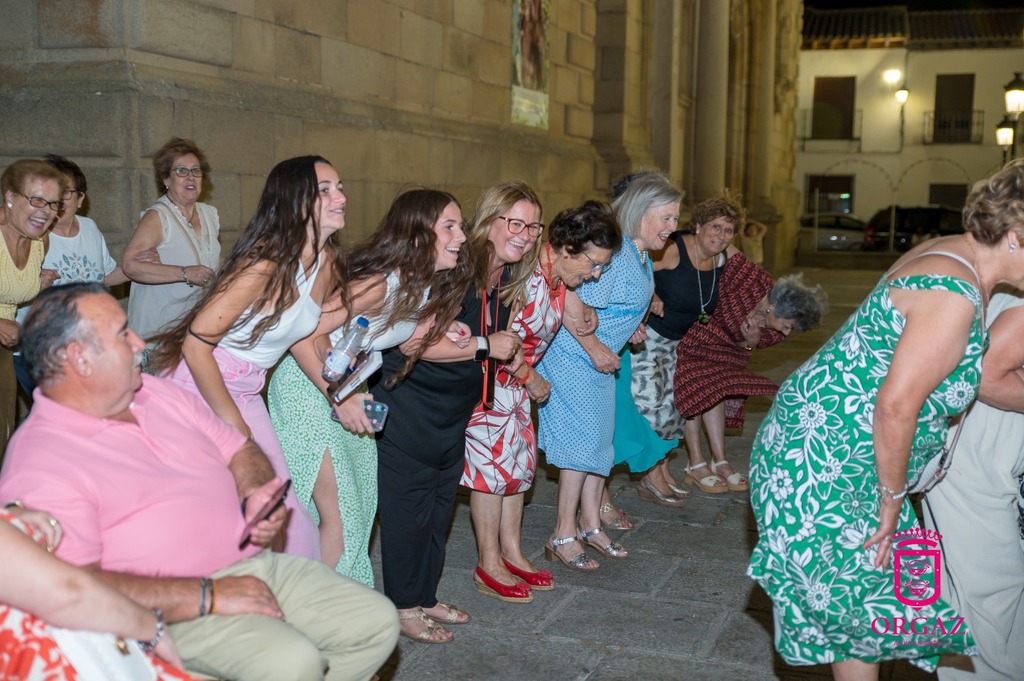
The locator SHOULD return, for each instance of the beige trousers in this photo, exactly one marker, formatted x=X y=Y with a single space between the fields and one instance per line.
x=334 y=628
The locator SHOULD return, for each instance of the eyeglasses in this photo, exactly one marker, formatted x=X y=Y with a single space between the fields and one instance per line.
x=517 y=226
x=40 y=202
x=719 y=229
x=182 y=171
x=68 y=193
x=596 y=267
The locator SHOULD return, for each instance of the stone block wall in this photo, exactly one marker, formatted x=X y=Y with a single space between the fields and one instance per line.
x=395 y=93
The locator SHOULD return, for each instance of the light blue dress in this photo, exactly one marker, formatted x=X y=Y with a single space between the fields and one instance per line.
x=578 y=420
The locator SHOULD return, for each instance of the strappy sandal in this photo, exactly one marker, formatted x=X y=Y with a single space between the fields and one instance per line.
x=649 y=492
x=452 y=615
x=707 y=483
x=612 y=549
x=581 y=561
x=681 y=492
x=430 y=628
x=620 y=520
x=737 y=482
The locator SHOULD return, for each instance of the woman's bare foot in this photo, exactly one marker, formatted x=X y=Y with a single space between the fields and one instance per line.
x=446 y=614
x=413 y=623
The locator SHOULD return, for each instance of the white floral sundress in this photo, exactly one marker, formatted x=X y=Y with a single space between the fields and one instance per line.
x=815 y=492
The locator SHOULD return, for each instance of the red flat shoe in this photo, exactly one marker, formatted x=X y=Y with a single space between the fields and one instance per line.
x=542 y=580
x=518 y=593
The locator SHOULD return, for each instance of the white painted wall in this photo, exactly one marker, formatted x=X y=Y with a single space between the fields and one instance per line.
x=879 y=163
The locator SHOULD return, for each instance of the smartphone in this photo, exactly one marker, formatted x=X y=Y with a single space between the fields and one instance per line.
x=276 y=499
x=377 y=412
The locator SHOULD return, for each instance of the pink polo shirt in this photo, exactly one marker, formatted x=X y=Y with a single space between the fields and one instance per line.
x=154 y=499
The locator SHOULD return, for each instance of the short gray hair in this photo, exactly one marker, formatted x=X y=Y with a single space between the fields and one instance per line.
x=793 y=299
x=53 y=322
x=647 y=190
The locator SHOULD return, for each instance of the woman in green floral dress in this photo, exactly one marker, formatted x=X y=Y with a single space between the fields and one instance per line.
x=857 y=421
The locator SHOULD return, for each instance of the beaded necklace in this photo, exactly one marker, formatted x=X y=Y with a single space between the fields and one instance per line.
x=704 y=317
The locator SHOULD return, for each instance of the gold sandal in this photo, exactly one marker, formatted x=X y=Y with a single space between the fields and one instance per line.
x=430 y=627
x=452 y=614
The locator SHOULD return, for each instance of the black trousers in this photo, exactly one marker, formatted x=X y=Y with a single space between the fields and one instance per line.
x=415 y=503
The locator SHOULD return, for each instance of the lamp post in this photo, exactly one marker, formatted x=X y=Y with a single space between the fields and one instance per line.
x=902 y=95
x=1014 y=93
x=1005 y=134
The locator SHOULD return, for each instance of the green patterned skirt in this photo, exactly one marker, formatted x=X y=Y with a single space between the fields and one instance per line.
x=301 y=417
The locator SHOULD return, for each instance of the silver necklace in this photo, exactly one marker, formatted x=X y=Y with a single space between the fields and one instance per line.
x=704 y=317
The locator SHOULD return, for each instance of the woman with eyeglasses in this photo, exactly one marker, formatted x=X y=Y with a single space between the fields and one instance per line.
x=32 y=193
x=578 y=421
x=501 y=446
x=77 y=250
x=184 y=233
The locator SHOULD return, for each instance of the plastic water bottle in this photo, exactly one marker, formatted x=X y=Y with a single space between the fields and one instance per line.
x=340 y=358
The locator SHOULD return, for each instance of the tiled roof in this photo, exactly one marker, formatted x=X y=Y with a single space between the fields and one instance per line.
x=927 y=30
x=967 y=28
x=853 y=28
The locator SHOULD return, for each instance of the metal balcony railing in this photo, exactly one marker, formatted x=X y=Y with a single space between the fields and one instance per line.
x=954 y=127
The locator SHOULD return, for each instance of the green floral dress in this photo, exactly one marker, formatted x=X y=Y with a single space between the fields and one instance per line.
x=815 y=494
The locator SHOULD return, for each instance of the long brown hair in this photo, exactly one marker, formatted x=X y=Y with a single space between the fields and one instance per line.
x=276 y=234
x=405 y=241
x=491 y=205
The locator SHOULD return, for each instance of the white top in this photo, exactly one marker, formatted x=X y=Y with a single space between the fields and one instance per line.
x=153 y=307
x=377 y=335
x=83 y=257
x=297 y=322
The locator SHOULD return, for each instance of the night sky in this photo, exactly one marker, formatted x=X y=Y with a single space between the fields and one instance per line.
x=915 y=4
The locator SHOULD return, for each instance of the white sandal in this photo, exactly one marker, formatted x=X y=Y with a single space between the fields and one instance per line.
x=707 y=483
x=737 y=482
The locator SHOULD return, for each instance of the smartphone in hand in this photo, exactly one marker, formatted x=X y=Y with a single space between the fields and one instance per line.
x=275 y=502
x=377 y=412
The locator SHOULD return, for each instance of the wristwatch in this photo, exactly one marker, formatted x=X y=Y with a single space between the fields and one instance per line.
x=483 y=349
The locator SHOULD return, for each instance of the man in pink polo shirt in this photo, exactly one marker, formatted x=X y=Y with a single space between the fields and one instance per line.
x=147 y=482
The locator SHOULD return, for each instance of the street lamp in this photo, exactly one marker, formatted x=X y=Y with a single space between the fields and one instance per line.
x=1004 y=135
x=1014 y=93
x=902 y=95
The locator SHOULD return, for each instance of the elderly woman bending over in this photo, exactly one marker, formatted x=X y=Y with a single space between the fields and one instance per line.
x=711 y=377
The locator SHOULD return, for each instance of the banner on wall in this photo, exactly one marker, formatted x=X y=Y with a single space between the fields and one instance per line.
x=530 y=62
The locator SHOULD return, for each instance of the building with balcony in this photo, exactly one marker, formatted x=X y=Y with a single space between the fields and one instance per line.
x=859 y=148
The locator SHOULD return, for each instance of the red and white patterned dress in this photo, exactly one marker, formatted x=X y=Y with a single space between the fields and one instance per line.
x=28 y=651
x=501 y=445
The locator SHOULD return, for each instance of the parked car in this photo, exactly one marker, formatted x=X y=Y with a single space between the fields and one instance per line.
x=913 y=225
x=836 y=232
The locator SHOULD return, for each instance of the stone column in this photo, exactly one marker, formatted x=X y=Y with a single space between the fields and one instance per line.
x=712 y=97
x=766 y=100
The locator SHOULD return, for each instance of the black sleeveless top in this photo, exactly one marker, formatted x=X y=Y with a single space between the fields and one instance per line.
x=678 y=288
x=431 y=407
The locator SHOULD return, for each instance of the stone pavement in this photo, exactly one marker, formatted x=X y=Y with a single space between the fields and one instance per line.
x=679 y=607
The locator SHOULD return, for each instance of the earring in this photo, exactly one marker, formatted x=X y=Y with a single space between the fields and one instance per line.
x=1013 y=247
x=10 y=205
